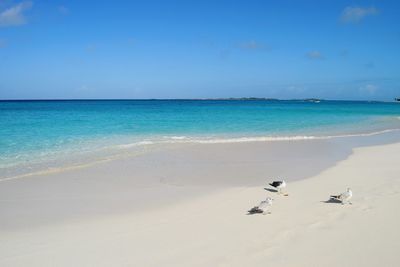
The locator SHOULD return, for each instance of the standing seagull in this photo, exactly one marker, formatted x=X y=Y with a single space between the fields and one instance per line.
x=344 y=197
x=278 y=185
x=262 y=207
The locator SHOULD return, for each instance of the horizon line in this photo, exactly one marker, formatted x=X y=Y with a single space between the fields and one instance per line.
x=194 y=99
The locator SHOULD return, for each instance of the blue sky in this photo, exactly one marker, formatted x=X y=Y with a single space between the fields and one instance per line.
x=199 y=49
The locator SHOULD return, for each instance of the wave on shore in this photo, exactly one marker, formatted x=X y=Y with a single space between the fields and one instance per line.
x=221 y=140
x=118 y=151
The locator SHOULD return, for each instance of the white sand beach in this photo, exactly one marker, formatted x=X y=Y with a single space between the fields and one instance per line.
x=199 y=133
x=85 y=217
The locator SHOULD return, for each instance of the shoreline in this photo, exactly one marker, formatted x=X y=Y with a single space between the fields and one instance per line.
x=213 y=229
x=131 y=150
x=172 y=174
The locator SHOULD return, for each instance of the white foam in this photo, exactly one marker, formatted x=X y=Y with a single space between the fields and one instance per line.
x=221 y=140
x=140 y=143
x=250 y=139
x=176 y=137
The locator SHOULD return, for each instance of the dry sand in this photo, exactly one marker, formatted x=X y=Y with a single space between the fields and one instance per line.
x=205 y=229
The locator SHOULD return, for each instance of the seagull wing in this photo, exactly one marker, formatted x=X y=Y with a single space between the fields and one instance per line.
x=345 y=196
x=276 y=183
x=263 y=205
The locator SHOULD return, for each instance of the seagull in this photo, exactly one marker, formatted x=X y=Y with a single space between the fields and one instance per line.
x=344 y=197
x=262 y=207
x=278 y=185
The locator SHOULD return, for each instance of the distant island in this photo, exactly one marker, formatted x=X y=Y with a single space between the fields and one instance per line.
x=244 y=98
x=314 y=100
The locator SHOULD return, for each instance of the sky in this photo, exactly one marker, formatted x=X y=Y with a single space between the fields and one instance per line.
x=200 y=49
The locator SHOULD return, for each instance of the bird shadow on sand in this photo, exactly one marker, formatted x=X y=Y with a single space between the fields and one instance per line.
x=332 y=201
x=271 y=190
x=258 y=213
x=252 y=213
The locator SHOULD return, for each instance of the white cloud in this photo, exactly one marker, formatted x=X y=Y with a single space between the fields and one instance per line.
x=63 y=10
x=253 y=45
x=369 y=89
x=14 y=15
x=357 y=14
x=314 y=55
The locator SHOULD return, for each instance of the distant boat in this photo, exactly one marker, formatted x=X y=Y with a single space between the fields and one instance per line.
x=313 y=100
x=397 y=99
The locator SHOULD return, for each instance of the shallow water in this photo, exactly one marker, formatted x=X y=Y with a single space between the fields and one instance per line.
x=37 y=135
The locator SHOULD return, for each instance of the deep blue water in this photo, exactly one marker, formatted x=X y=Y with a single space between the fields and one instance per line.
x=33 y=131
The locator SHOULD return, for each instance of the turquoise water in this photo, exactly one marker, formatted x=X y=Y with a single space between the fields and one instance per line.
x=33 y=132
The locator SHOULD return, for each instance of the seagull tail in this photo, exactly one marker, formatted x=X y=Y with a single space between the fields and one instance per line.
x=254 y=210
x=271 y=184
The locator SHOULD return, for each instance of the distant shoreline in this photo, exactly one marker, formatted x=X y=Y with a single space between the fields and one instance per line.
x=198 y=99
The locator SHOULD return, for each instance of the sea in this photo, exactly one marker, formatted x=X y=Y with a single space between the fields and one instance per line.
x=42 y=136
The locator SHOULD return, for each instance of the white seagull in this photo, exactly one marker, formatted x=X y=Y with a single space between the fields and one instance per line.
x=262 y=207
x=278 y=185
x=344 y=197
